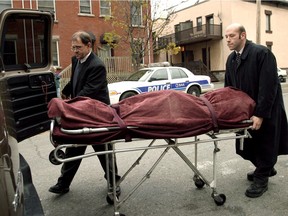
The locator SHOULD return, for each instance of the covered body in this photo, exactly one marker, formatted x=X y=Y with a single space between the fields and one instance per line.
x=162 y=114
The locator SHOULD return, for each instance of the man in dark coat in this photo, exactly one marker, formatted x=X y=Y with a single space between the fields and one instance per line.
x=256 y=74
x=88 y=79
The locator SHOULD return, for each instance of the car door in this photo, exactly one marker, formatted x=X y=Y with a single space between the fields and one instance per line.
x=159 y=80
x=179 y=79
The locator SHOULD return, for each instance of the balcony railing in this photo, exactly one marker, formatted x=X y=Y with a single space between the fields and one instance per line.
x=192 y=35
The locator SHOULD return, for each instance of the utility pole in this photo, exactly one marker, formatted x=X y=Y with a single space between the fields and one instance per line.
x=258 y=22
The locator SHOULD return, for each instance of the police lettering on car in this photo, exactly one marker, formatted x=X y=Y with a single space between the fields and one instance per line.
x=159 y=87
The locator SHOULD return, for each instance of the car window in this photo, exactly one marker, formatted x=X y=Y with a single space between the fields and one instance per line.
x=140 y=75
x=160 y=74
x=177 y=73
x=24 y=42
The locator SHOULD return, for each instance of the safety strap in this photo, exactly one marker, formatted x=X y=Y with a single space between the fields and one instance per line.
x=213 y=114
x=123 y=127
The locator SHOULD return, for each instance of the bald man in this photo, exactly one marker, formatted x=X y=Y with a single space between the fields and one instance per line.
x=252 y=68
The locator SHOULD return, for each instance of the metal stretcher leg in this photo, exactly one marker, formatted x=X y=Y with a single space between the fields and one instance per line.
x=218 y=198
x=146 y=176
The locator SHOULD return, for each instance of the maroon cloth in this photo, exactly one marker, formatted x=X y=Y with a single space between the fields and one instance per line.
x=160 y=114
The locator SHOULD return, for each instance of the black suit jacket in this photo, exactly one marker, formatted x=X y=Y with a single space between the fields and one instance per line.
x=91 y=82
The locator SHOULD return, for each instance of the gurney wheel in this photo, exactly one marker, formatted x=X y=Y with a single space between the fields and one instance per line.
x=53 y=160
x=219 y=199
x=199 y=183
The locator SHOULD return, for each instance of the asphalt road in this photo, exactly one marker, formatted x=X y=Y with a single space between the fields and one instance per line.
x=170 y=190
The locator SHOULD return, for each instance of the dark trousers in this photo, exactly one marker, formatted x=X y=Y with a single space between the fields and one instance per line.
x=69 y=169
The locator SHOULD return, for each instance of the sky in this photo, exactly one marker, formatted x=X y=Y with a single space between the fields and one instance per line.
x=162 y=5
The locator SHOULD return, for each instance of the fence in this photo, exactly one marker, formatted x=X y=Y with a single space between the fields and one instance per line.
x=118 y=68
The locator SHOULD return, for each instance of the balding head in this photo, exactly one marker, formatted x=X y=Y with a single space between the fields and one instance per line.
x=235 y=36
x=237 y=27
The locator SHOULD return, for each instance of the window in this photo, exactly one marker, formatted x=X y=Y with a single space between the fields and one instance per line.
x=104 y=51
x=85 y=6
x=138 y=50
x=160 y=74
x=136 y=13
x=199 y=23
x=269 y=45
x=268 y=21
x=27 y=45
x=10 y=55
x=105 y=8
x=177 y=73
x=55 y=53
x=46 y=5
x=4 y=4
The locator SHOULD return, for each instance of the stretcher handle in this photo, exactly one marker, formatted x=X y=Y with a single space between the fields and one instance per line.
x=86 y=130
x=248 y=121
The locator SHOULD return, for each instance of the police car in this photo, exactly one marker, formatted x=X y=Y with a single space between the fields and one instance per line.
x=159 y=78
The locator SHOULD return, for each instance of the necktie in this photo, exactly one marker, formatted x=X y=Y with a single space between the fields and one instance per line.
x=238 y=59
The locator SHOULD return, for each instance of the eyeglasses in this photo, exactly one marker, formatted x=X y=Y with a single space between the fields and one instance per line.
x=75 y=48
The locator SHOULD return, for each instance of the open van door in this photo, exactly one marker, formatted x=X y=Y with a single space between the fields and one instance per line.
x=25 y=81
x=26 y=87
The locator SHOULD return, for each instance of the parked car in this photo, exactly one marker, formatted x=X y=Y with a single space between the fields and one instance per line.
x=282 y=74
x=159 y=78
x=26 y=86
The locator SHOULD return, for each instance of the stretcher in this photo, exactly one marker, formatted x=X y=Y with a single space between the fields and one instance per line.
x=220 y=115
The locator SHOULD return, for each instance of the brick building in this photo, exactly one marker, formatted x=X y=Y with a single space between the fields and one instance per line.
x=123 y=21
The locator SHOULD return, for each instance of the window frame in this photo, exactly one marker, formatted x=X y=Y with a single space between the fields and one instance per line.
x=136 y=16
x=55 y=53
x=105 y=7
x=6 y=4
x=268 y=15
x=52 y=9
x=90 y=7
x=199 y=23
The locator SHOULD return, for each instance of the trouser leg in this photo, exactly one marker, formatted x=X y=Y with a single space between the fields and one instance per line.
x=102 y=159
x=69 y=169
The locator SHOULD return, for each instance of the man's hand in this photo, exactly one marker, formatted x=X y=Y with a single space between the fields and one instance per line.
x=64 y=97
x=257 y=122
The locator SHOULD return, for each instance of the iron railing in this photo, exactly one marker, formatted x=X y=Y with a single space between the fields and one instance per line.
x=192 y=35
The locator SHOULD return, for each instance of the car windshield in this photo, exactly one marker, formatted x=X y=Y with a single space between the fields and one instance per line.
x=140 y=75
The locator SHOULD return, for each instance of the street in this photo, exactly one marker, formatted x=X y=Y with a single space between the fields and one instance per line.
x=170 y=190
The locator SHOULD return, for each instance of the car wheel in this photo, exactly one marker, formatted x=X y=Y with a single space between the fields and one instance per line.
x=194 y=90
x=127 y=95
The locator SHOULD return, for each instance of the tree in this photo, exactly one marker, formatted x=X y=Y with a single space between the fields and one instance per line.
x=139 y=25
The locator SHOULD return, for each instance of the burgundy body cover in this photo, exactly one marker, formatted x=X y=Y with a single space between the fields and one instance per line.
x=160 y=114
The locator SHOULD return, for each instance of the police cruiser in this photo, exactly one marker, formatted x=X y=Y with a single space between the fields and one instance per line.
x=159 y=78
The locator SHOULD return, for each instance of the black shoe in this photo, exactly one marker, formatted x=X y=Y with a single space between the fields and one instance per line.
x=250 y=175
x=118 y=190
x=59 y=189
x=256 y=190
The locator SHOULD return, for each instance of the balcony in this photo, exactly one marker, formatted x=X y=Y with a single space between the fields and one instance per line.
x=192 y=35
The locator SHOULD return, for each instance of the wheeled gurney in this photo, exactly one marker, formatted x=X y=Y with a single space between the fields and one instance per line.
x=167 y=115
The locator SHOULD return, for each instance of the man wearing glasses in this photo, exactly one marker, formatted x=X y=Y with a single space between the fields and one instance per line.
x=88 y=79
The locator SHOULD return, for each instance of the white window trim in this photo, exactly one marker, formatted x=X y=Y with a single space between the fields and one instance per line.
x=55 y=39
x=141 y=18
x=86 y=14
x=54 y=6
x=104 y=15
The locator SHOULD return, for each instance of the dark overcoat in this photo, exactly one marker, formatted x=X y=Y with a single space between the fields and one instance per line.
x=257 y=76
x=91 y=81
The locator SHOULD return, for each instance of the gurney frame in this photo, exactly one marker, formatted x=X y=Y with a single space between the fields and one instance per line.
x=57 y=157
